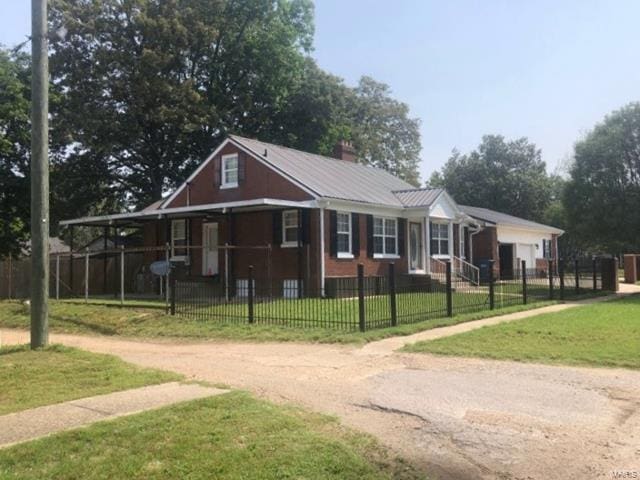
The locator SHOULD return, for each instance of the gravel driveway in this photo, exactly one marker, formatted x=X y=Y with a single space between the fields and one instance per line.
x=459 y=418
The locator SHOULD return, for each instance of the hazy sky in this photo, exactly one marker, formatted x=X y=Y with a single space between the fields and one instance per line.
x=547 y=70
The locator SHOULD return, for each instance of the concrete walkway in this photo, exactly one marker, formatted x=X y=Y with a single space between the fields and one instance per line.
x=39 y=422
x=387 y=346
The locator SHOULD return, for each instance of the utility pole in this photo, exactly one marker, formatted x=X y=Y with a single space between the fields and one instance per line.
x=39 y=176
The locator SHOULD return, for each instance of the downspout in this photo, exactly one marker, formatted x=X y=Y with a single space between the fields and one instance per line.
x=471 y=235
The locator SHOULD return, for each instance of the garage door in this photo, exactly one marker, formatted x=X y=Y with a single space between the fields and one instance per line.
x=527 y=252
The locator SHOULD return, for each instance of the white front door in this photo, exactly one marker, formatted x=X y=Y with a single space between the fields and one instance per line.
x=416 y=248
x=209 y=249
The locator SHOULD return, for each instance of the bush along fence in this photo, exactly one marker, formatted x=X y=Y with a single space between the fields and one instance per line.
x=365 y=302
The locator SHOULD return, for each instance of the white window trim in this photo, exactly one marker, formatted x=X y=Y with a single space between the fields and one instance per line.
x=348 y=254
x=448 y=239
x=284 y=243
x=174 y=257
x=223 y=170
x=384 y=253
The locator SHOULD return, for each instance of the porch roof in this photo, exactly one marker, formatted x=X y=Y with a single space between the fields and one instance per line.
x=492 y=217
x=133 y=219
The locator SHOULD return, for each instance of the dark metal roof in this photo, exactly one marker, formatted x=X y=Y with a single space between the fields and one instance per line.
x=504 y=219
x=329 y=177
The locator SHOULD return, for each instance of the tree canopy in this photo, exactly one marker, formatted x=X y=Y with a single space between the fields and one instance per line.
x=143 y=90
x=14 y=150
x=150 y=87
x=602 y=197
x=507 y=176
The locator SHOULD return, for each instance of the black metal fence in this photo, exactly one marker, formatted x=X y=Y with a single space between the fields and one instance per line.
x=362 y=303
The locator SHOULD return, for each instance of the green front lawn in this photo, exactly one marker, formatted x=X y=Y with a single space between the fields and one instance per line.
x=94 y=319
x=56 y=374
x=601 y=334
x=232 y=436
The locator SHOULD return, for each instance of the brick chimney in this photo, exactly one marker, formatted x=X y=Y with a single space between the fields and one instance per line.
x=344 y=151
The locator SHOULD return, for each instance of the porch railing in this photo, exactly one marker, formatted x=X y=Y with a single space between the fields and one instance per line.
x=466 y=271
x=438 y=268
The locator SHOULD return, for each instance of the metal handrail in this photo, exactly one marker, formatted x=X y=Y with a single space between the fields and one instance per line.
x=466 y=270
x=438 y=267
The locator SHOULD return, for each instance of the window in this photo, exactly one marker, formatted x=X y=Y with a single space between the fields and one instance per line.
x=290 y=289
x=439 y=239
x=178 y=238
x=385 y=236
x=229 y=171
x=290 y=228
x=343 y=234
x=546 y=249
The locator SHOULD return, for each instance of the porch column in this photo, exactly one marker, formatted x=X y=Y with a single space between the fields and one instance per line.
x=322 y=282
x=460 y=239
x=427 y=243
x=450 y=227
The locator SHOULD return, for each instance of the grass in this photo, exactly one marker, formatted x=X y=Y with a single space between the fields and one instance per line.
x=232 y=436
x=601 y=334
x=34 y=378
x=78 y=318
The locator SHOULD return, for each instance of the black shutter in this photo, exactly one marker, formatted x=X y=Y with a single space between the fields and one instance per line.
x=241 y=166
x=355 y=234
x=306 y=226
x=370 y=236
x=333 y=233
x=277 y=227
x=217 y=171
x=402 y=227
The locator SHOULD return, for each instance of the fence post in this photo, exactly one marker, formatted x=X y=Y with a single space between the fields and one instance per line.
x=250 y=294
x=361 y=312
x=576 y=269
x=595 y=274
x=86 y=275
x=561 y=273
x=10 y=275
x=167 y=293
x=449 y=290
x=121 y=274
x=226 y=271
x=550 y=264
x=492 y=298
x=524 y=282
x=172 y=278
x=58 y=277
x=392 y=294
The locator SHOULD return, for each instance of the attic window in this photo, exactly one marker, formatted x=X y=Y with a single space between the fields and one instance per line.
x=229 y=171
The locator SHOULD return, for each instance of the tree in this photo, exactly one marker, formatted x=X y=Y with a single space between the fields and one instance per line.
x=14 y=150
x=507 y=176
x=602 y=198
x=382 y=132
x=149 y=87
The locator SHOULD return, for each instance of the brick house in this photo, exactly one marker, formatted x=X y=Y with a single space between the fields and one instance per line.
x=315 y=218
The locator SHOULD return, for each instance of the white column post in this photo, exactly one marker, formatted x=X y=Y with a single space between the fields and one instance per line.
x=58 y=277
x=427 y=243
x=322 y=283
x=450 y=227
x=121 y=274
x=86 y=276
x=460 y=239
